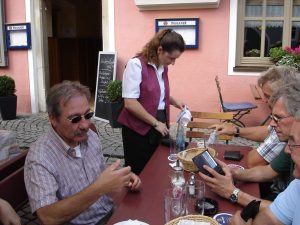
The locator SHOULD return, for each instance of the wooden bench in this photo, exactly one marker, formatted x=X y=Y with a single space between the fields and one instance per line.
x=12 y=186
x=199 y=121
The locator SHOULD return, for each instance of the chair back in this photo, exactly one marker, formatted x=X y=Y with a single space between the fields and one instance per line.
x=219 y=91
x=202 y=120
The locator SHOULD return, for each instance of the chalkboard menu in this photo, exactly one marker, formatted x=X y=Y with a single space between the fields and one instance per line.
x=107 y=62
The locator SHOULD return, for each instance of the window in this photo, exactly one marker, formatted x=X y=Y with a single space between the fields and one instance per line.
x=264 y=24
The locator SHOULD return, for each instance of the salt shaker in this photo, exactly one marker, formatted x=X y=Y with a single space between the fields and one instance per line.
x=191 y=184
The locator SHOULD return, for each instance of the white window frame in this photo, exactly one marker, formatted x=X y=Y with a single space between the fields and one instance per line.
x=233 y=60
x=232 y=41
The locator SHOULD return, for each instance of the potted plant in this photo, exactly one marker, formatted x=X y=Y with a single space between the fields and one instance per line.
x=287 y=56
x=8 y=99
x=114 y=96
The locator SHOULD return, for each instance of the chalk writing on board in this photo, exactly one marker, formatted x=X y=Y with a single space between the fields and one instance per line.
x=106 y=73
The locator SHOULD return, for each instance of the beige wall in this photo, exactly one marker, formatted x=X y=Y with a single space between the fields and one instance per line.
x=192 y=77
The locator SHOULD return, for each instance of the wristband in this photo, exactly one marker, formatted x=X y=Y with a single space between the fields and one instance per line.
x=250 y=211
x=237 y=132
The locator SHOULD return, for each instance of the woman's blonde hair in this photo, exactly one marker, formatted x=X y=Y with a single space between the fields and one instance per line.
x=168 y=39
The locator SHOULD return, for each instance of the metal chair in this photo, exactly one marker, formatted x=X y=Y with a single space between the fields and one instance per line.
x=202 y=120
x=240 y=108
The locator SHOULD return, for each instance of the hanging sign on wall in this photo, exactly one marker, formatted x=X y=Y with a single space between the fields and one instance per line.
x=187 y=27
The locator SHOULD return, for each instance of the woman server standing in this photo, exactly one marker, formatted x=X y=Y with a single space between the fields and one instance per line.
x=147 y=99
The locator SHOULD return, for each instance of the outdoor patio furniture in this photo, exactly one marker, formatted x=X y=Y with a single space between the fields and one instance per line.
x=239 y=108
x=202 y=120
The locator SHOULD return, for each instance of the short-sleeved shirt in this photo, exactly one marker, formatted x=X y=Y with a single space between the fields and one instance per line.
x=284 y=166
x=132 y=78
x=286 y=207
x=271 y=147
x=53 y=172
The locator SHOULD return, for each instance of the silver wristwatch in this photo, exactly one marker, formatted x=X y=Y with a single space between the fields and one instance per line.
x=234 y=196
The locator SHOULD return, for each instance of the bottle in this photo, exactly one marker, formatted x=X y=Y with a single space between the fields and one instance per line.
x=213 y=139
x=191 y=184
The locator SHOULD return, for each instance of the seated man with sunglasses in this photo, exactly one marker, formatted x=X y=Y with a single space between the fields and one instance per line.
x=66 y=177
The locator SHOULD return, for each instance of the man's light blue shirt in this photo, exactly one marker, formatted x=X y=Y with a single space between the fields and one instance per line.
x=286 y=207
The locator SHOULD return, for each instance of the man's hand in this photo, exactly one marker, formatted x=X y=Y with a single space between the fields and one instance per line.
x=8 y=216
x=222 y=185
x=135 y=182
x=113 y=179
x=223 y=128
x=236 y=219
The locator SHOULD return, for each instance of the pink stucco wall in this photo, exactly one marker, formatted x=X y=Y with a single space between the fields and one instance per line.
x=192 y=77
x=18 y=59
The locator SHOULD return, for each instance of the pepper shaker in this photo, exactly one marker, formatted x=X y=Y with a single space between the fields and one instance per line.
x=192 y=184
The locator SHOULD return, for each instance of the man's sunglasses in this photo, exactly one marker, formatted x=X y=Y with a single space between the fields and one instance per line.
x=77 y=119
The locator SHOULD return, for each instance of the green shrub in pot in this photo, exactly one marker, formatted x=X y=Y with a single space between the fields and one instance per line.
x=114 y=90
x=7 y=86
x=114 y=95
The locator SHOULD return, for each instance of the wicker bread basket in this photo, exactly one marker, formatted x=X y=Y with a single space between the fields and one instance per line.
x=196 y=218
x=186 y=156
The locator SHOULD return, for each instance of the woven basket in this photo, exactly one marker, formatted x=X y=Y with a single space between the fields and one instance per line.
x=186 y=156
x=197 y=218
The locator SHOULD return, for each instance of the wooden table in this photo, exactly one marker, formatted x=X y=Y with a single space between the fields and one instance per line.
x=147 y=205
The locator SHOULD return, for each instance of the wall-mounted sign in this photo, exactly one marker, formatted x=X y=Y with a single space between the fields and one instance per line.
x=187 y=27
x=18 y=36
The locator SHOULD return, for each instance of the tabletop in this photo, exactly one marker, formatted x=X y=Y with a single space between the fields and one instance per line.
x=147 y=204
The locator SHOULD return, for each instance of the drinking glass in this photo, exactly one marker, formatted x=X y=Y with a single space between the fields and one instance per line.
x=177 y=177
x=172 y=140
x=174 y=204
x=173 y=151
x=195 y=198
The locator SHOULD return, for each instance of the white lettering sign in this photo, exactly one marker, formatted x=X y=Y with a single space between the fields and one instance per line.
x=177 y=23
x=20 y=27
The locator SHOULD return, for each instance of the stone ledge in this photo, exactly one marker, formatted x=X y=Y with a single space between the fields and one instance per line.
x=175 y=4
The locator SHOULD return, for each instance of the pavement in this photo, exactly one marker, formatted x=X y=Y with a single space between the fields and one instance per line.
x=29 y=128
